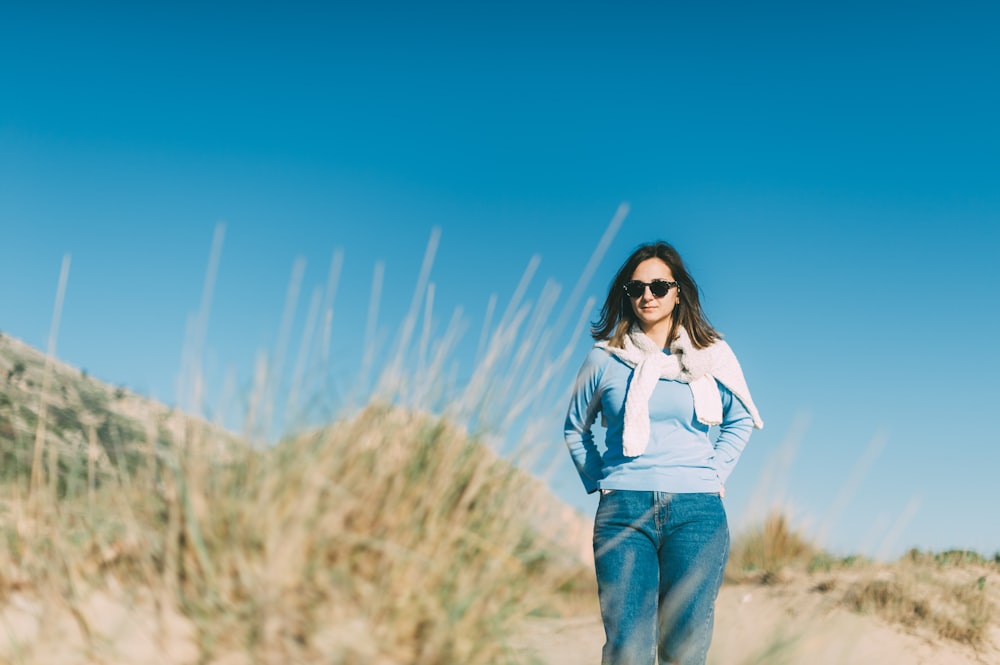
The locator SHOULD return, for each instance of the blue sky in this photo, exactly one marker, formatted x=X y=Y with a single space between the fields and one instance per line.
x=832 y=175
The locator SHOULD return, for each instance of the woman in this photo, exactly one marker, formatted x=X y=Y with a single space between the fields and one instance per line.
x=661 y=376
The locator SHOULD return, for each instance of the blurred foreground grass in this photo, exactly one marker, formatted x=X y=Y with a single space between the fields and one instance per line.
x=388 y=537
x=133 y=534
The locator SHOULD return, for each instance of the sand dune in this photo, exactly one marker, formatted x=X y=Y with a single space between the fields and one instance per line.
x=68 y=609
x=784 y=624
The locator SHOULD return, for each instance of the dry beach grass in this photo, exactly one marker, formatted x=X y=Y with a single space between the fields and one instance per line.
x=391 y=534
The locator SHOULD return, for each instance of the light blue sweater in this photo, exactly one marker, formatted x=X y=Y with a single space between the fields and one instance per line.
x=681 y=456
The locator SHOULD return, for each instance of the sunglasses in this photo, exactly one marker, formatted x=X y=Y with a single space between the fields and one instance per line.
x=658 y=287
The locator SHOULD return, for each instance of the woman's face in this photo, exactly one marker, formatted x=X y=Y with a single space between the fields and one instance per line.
x=649 y=310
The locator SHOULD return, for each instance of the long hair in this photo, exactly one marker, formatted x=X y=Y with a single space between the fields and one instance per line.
x=617 y=316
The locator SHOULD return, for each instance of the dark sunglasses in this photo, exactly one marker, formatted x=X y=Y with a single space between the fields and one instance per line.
x=658 y=287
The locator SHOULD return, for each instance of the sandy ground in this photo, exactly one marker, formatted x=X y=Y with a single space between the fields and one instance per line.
x=114 y=628
x=774 y=626
x=756 y=625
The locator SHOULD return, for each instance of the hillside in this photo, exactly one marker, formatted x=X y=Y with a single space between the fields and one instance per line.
x=389 y=537
x=83 y=416
x=785 y=602
x=791 y=623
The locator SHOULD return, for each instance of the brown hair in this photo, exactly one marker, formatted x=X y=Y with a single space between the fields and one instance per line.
x=617 y=316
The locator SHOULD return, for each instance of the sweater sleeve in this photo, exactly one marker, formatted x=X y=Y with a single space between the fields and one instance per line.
x=584 y=405
x=734 y=432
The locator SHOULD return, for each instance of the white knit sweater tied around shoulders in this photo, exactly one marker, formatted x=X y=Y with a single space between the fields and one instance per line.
x=699 y=368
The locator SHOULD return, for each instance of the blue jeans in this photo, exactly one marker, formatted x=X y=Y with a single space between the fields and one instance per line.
x=660 y=559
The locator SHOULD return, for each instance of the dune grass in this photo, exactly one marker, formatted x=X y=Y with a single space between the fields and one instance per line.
x=393 y=523
x=943 y=595
x=761 y=553
x=387 y=535
x=391 y=536
x=920 y=592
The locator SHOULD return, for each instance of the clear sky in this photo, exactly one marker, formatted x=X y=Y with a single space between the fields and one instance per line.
x=831 y=174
